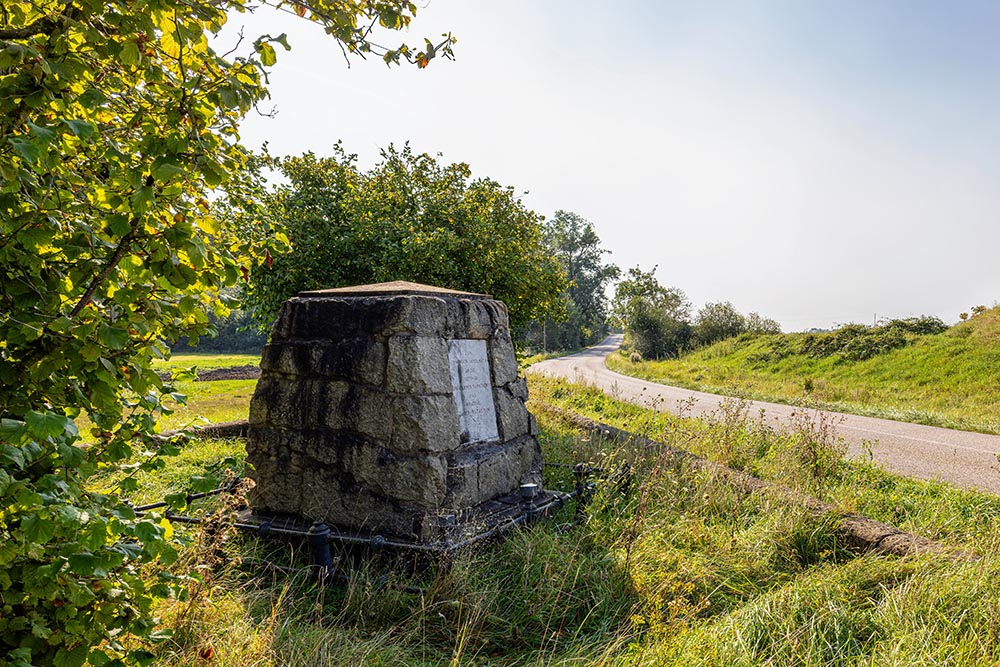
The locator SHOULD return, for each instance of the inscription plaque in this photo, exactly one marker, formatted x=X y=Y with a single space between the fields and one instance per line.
x=472 y=388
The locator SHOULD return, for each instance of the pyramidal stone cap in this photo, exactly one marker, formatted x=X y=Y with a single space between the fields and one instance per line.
x=396 y=287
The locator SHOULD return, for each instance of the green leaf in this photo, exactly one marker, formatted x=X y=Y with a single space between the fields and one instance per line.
x=80 y=128
x=12 y=430
x=84 y=564
x=44 y=134
x=176 y=501
x=113 y=337
x=129 y=54
x=46 y=424
x=119 y=225
x=267 y=55
x=26 y=148
x=212 y=174
x=90 y=352
x=142 y=199
x=73 y=658
x=38 y=529
x=147 y=531
x=168 y=171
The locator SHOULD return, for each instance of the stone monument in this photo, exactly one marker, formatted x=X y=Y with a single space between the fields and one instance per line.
x=392 y=409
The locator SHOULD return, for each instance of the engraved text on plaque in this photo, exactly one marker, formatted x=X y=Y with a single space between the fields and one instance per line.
x=473 y=390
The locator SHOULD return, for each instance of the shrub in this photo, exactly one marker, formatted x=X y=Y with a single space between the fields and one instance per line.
x=857 y=342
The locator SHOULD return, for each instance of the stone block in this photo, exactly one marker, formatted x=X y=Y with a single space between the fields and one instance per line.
x=359 y=408
x=278 y=402
x=519 y=389
x=480 y=317
x=503 y=359
x=360 y=360
x=418 y=480
x=321 y=318
x=417 y=316
x=463 y=482
x=502 y=471
x=418 y=365
x=428 y=423
x=284 y=358
x=511 y=414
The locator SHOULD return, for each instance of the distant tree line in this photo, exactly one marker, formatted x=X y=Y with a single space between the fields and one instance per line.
x=235 y=333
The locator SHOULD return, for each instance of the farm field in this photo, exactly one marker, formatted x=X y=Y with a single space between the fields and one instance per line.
x=949 y=379
x=686 y=569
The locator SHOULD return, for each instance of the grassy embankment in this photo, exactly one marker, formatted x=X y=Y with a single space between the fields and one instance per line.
x=686 y=570
x=947 y=379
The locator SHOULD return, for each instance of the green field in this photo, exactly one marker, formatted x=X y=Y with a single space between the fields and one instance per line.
x=206 y=361
x=949 y=379
x=684 y=570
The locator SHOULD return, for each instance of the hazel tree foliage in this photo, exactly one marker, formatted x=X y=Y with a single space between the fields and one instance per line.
x=118 y=126
x=410 y=217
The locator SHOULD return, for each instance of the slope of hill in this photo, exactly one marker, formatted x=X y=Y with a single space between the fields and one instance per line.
x=949 y=379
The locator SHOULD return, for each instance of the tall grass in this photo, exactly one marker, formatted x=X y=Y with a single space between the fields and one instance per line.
x=684 y=568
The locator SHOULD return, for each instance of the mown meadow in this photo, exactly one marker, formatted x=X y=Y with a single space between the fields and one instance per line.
x=950 y=378
x=682 y=569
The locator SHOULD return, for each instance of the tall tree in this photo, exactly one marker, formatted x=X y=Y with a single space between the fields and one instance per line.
x=117 y=122
x=410 y=217
x=656 y=319
x=577 y=247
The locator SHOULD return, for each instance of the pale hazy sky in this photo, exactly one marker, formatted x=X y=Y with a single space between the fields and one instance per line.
x=819 y=163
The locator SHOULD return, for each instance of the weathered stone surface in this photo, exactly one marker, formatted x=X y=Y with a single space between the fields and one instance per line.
x=480 y=473
x=418 y=365
x=419 y=480
x=355 y=421
x=334 y=318
x=463 y=481
x=505 y=471
x=503 y=359
x=418 y=316
x=290 y=405
x=359 y=408
x=424 y=423
x=511 y=414
x=519 y=388
x=353 y=359
x=481 y=320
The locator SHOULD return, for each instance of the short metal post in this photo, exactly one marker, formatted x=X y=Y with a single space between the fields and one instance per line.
x=319 y=541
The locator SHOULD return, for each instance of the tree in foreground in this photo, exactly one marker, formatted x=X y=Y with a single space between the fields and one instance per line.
x=656 y=319
x=117 y=123
x=576 y=246
x=410 y=217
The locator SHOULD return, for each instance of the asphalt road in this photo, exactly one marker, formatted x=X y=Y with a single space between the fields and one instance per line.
x=927 y=452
